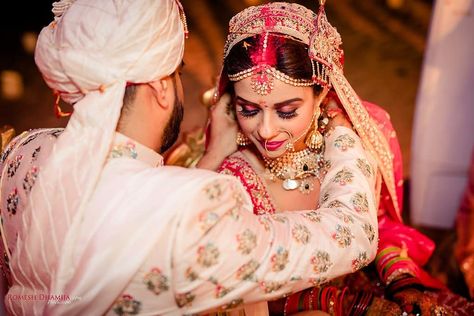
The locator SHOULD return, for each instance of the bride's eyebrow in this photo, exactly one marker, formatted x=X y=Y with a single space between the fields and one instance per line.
x=286 y=102
x=246 y=101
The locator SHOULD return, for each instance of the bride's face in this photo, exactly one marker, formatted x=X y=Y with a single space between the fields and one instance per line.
x=286 y=110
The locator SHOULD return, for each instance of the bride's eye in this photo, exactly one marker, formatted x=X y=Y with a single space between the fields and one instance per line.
x=247 y=110
x=287 y=114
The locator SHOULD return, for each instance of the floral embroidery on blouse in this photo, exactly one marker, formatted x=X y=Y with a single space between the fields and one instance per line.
x=343 y=236
x=321 y=261
x=247 y=241
x=13 y=165
x=184 y=299
x=270 y=286
x=343 y=177
x=12 y=201
x=156 y=281
x=30 y=179
x=313 y=216
x=127 y=305
x=208 y=255
x=301 y=233
x=280 y=259
x=365 y=167
x=247 y=270
x=254 y=185
x=370 y=231
x=360 y=202
x=344 y=142
x=361 y=261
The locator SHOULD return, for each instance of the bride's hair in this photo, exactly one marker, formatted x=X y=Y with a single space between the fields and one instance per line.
x=291 y=57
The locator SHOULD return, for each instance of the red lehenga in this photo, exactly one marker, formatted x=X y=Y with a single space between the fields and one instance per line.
x=402 y=249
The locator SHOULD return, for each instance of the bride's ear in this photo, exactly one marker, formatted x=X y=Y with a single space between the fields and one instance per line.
x=320 y=97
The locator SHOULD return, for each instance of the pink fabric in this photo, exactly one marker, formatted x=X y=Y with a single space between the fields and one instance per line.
x=392 y=231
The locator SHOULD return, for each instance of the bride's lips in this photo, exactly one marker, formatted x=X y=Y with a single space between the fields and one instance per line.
x=272 y=146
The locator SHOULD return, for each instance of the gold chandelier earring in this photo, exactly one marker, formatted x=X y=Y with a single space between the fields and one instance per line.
x=242 y=140
x=314 y=140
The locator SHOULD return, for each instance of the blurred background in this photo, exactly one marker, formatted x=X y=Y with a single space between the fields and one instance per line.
x=384 y=43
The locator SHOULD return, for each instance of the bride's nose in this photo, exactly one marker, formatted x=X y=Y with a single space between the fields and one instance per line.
x=267 y=128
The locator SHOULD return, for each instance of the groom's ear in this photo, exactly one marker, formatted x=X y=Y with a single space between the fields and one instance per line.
x=162 y=90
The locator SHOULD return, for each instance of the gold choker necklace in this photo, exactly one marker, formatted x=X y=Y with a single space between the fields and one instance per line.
x=295 y=169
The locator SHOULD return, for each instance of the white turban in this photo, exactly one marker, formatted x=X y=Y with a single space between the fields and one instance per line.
x=88 y=55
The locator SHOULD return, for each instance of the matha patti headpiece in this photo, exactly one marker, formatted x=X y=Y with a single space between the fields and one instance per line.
x=291 y=20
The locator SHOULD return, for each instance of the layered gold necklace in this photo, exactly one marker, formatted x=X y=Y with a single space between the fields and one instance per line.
x=296 y=169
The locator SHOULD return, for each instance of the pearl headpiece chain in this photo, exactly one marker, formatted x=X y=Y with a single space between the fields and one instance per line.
x=287 y=20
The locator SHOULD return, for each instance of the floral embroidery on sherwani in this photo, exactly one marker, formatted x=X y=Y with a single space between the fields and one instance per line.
x=233 y=304
x=127 y=305
x=264 y=221
x=343 y=236
x=335 y=204
x=280 y=259
x=348 y=219
x=191 y=275
x=343 y=177
x=35 y=154
x=325 y=197
x=247 y=241
x=361 y=261
x=270 y=286
x=313 y=216
x=208 y=255
x=184 y=299
x=247 y=270
x=301 y=233
x=156 y=281
x=221 y=291
x=344 y=142
x=13 y=165
x=30 y=179
x=213 y=191
x=360 y=202
x=279 y=218
x=12 y=201
x=370 y=231
x=365 y=167
x=318 y=281
x=321 y=261
x=208 y=219
x=254 y=185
